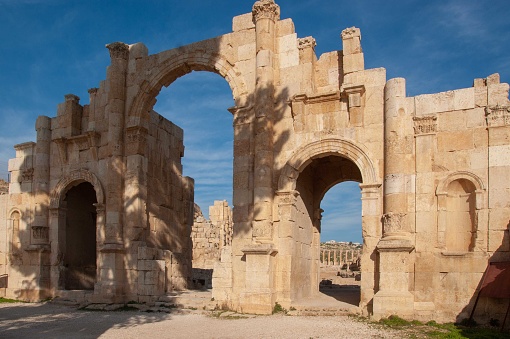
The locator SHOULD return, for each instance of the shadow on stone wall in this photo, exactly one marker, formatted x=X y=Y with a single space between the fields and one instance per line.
x=490 y=311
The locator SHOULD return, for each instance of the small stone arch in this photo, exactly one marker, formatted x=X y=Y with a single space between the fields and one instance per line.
x=447 y=230
x=341 y=147
x=73 y=179
x=183 y=61
x=473 y=178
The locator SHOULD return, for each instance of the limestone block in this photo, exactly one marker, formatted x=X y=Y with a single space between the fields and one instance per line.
x=455 y=141
x=264 y=58
x=246 y=52
x=451 y=121
x=289 y=58
x=499 y=155
x=284 y=27
x=434 y=103
x=242 y=22
x=475 y=117
x=14 y=164
x=353 y=63
x=287 y=43
x=480 y=96
x=499 y=136
x=15 y=188
x=499 y=240
x=426 y=202
x=498 y=94
x=394 y=183
x=478 y=160
x=464 y=99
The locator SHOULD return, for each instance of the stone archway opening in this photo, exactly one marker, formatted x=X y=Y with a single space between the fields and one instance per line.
x=319 y=263
x=197 y=103
x=78 y=238
x=341 y=242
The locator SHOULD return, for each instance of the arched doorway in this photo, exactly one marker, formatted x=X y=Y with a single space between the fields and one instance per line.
x=341 y=242
x=197 y=103
x=312 y=184
x=304 y=180
x=79 y=238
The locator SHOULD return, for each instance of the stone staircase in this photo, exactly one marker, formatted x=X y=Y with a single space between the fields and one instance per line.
x=175 y=302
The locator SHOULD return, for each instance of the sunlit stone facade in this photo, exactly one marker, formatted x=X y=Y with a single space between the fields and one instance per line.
x=434 y=174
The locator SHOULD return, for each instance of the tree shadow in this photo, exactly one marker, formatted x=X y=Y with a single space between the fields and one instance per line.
x=51 y=321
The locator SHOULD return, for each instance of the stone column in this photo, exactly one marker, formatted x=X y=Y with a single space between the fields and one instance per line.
x=116 y=83
x=265 y=14
x=40 y=227
x=394 y=248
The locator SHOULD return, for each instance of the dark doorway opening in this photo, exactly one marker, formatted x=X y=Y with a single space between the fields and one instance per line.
x=80 y=238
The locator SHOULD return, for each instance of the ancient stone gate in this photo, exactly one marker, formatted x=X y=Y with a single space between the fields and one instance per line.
x=433 y=170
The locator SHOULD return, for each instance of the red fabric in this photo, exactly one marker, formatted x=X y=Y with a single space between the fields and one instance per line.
x=496 y=283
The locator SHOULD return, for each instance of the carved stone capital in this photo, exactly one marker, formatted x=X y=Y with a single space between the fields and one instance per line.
x=266 y=9
x=27 y=174
x=242 y=115
x=394 y=223
x=118 y=50
x=136 y=140
x=350 y=33
x=72 y=97
x=353 y=93
x=497 y=116
x=287 y=197
x=308 y=42
x=425 y=125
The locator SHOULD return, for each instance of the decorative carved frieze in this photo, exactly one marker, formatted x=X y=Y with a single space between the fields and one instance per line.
x=40 y=233
x=266 y=9
x=118 y=50
x=262 y=229
x=497 y=116
x=425 y=125
x=27 y=174
x=136 y=140
x=308 y=42
x=88 y=141
x=394 y=223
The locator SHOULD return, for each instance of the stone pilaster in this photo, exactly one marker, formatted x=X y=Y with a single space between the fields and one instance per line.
x=265 y=14
x=40 y=230
x=116 y=83
x=396 y=244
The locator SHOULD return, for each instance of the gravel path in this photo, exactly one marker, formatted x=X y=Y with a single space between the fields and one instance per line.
x=54 y=321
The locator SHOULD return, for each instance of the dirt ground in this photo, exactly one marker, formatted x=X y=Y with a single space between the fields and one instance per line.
x=45 y=320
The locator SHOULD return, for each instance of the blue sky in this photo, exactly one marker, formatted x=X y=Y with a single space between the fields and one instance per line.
x=54 y=47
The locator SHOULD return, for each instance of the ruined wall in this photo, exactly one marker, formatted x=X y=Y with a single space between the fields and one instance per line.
x=209 y=238
x=433 y=172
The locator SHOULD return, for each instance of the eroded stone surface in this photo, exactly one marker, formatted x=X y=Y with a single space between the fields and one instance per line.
x=433 y=172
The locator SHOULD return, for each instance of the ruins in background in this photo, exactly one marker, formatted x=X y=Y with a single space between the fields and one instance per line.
x=99 y=210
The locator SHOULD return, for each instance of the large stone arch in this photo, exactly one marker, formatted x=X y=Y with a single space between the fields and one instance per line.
x=182 y=61
x=371 y=200
x=341 y=147
x=72 y=179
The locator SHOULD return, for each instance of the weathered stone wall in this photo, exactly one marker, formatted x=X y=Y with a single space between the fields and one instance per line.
x=209 y=237
x=433 y=172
